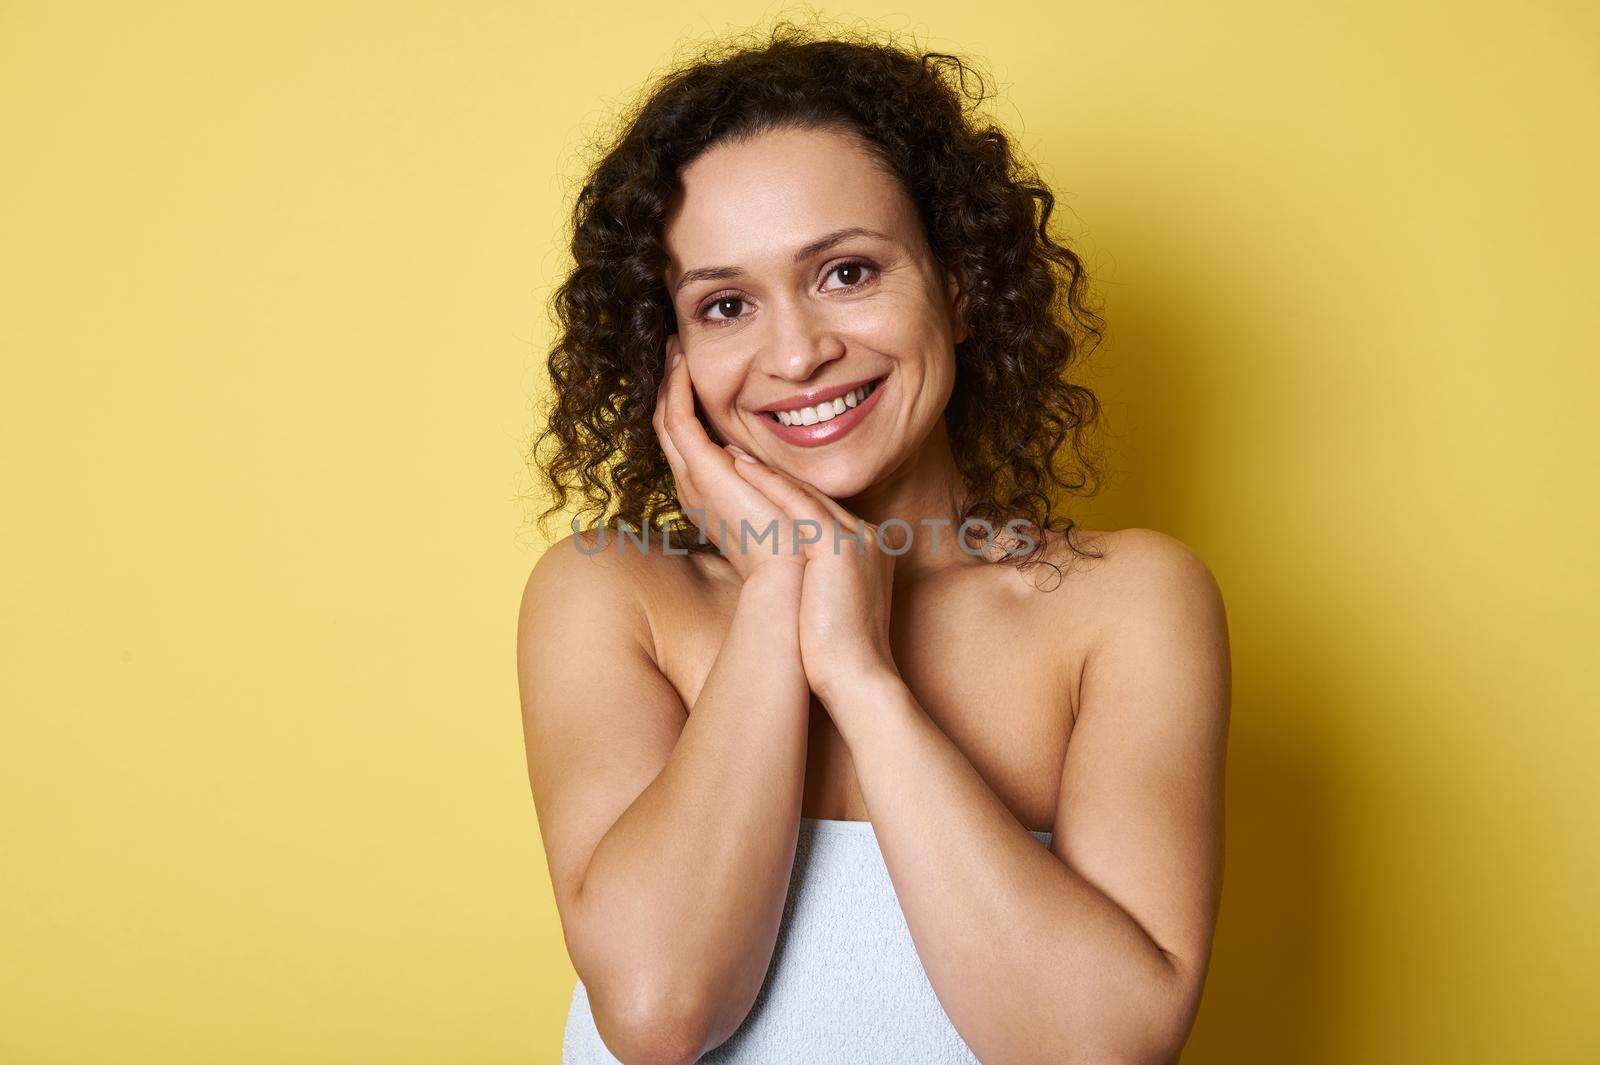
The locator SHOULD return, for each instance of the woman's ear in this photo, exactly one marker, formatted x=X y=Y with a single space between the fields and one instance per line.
x=956 y=294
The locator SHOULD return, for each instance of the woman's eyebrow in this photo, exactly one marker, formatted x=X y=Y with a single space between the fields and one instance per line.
x=816 y=247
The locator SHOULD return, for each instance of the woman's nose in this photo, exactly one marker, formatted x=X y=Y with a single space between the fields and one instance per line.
x=802 y=343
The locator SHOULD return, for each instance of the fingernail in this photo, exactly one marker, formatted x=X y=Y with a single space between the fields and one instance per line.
x=675 y=359
x=741 y=453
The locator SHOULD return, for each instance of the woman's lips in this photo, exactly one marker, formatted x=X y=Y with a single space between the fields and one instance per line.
x=829 y=431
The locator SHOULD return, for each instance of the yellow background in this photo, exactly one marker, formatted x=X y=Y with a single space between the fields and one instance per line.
x=271 y=301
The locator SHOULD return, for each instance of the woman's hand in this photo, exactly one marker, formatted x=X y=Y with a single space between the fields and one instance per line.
x=717 y=500
x=846 y=591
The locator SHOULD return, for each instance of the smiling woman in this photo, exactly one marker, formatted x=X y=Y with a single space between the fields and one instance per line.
x=812 y=337
x=834 y=775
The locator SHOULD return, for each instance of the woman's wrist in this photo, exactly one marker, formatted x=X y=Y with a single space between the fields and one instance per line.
x=773 y=588
x=868 y=705
x=864 y=686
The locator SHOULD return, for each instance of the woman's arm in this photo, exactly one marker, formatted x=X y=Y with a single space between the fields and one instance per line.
x=1095 y=953
x=670 y=836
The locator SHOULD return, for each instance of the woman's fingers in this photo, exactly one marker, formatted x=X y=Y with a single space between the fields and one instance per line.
x=694 y=457
x=694 y=445
x=799 y=500
x=837 y=512
x=680 y=469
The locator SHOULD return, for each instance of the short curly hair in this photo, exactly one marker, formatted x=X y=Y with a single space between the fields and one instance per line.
x=986 y=216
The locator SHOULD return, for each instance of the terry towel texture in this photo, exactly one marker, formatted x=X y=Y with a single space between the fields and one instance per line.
x=845 y=983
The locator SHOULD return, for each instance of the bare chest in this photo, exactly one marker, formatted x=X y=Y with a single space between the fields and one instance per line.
x=996 y=672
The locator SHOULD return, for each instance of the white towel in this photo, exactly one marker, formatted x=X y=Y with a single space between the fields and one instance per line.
x=845 y=983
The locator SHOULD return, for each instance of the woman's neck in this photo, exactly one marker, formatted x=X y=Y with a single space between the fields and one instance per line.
x=926 y=493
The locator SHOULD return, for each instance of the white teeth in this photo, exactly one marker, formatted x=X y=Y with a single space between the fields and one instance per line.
x=826 y=411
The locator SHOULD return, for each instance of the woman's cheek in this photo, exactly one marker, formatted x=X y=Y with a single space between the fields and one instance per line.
x=717 y=393
x=896 y=324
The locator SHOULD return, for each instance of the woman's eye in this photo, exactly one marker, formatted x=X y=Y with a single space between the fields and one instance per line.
x=853 y=273
x=722 y=304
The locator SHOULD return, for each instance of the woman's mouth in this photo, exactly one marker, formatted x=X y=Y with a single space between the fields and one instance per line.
x=827 y=421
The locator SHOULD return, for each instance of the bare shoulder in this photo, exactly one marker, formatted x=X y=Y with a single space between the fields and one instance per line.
x=582 y=573
x=1111 y=572
x=593 y=580
x=1151 y=597
x=1147 y=559
x=1135 y=590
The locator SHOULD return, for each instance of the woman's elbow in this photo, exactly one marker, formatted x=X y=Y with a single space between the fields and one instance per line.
x=651 y=1029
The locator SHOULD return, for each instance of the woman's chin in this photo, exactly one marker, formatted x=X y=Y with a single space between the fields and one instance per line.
x=835 y=484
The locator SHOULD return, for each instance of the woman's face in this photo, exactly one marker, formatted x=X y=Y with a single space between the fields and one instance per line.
x=804 y=285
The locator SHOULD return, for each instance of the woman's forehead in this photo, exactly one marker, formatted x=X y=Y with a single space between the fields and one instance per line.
x=761 y=199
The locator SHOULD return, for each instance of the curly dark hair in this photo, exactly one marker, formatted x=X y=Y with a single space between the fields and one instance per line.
x=986 y=216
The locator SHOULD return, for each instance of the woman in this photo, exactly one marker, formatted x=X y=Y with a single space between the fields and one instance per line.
x=873 y=757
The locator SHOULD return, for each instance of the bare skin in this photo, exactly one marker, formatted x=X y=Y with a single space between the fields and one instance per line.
x=1006 y=711
x=683 y=712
